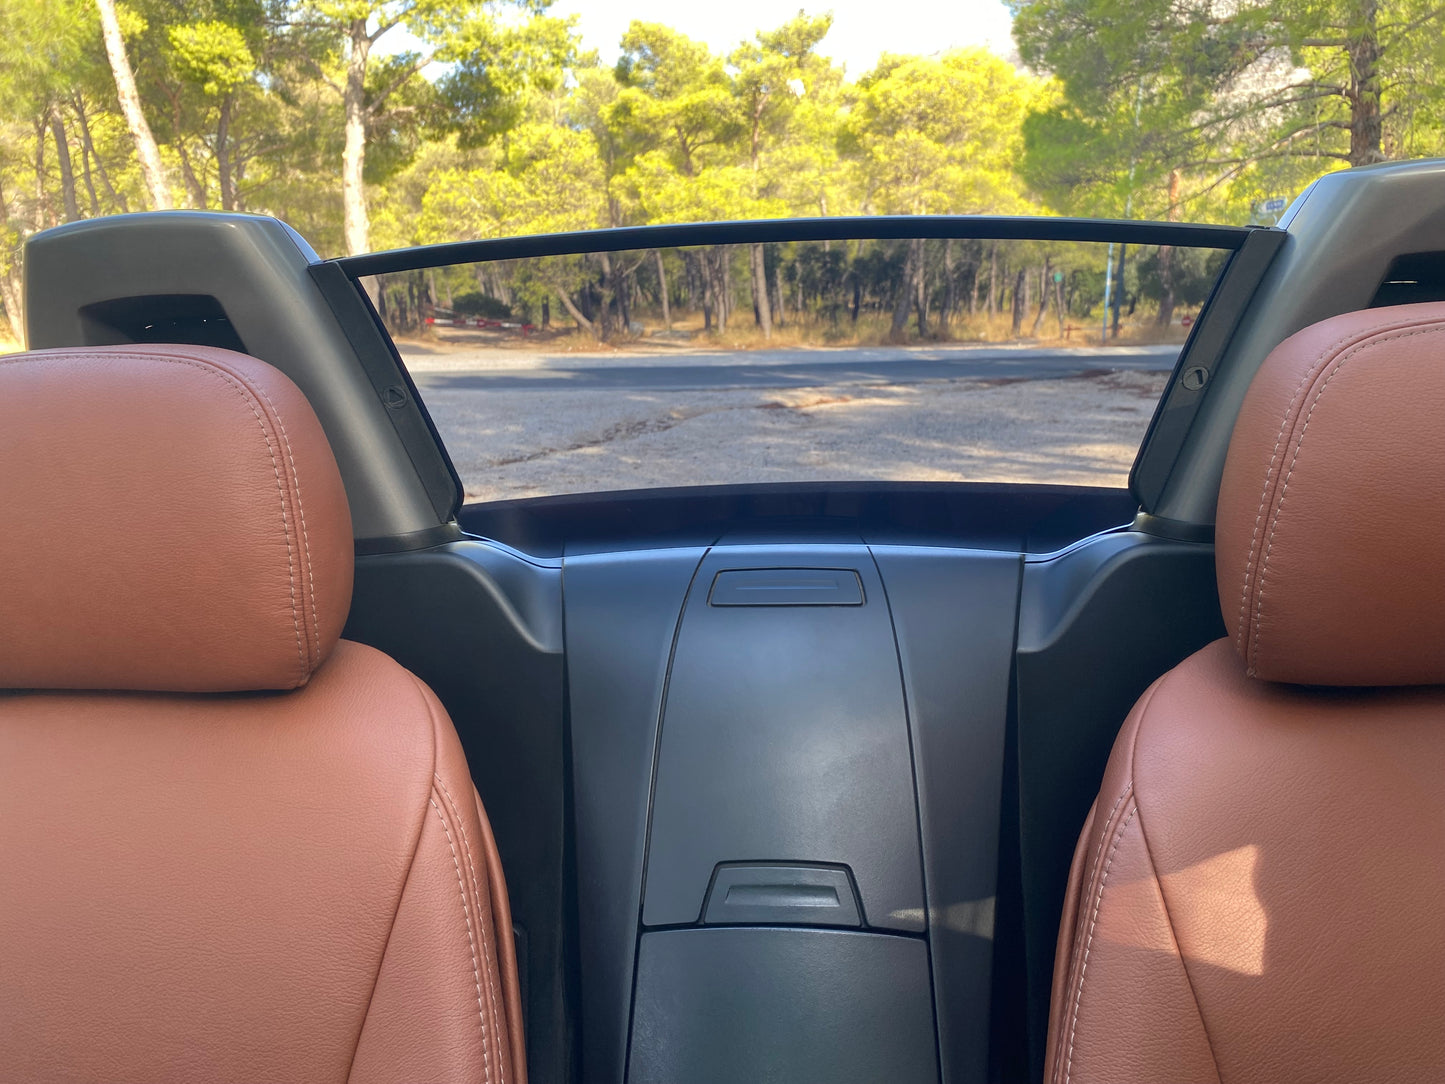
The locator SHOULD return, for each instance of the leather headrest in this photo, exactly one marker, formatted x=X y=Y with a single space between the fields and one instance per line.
x=173 y=520
x=1330 y=539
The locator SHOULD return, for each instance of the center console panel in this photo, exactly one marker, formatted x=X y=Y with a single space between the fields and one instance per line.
x=786 y=766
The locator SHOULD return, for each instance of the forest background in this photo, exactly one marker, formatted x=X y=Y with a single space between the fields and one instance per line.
x=372 y=124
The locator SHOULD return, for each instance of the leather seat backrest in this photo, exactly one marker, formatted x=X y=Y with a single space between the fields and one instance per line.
x=232 y=845
x=1256 y=894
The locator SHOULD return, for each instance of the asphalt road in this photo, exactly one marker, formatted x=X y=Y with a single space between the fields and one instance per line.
x=785 y=368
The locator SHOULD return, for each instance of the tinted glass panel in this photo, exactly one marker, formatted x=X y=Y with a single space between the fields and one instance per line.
x=924 y=360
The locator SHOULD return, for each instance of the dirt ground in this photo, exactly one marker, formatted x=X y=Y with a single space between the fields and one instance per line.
x=1081 y=429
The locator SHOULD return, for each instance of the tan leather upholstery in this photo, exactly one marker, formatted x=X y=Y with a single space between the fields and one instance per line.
x=1256 y=894
x=257 y=886
x=218 y=552
x=1332 y=508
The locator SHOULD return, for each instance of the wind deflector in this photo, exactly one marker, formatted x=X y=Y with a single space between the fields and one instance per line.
x=1243 y=253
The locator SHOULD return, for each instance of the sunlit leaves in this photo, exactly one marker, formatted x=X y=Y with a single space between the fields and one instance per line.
x=212 y=54
x=941 y=135
x=1238 y=96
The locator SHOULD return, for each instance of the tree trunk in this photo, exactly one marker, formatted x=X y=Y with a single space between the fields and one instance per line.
x=1366 y=122
x=662 y=289
x=43 y=212
x=62 y=159
x=762 y=310
x=87 y=146
x=573 y=311
x=702 y=263
x=1043 y=297
x=1166 y=258
x=153 y=173
x=950 y=288
x=1118 y=299
x=779 y=298
x=617 y=283
x=223 y=155
x=1166 y=286
x=920 y=293
x=85 y=166
x=991 y=306
x=356 y=223
x=906 y=288
x=725 y=281
x=1021 y=300
x=193 y=183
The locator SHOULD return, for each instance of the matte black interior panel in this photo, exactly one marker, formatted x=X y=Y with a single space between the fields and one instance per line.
x=622 y=612
x=953 y=611
x=723 y=1006
x=785 y=738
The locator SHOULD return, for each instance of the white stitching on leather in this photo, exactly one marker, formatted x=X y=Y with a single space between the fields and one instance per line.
x=300 y=515
x=486 y=950
x=1339 y=364
x=1242 y=634
x=471 y=942
x=1315 y=367
x=1088 y=944
x=1098 y=852
x=244 y=392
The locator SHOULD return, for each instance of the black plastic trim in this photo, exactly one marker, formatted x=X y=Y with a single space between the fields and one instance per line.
x=1220 y=317
x=782 y=894
x=427 y=539
x=981 y=515
x=1173 y=529
x=786 y=587
x=393 y=385
x=882 y=227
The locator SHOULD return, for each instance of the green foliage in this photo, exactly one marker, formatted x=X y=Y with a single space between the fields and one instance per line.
x=493 y=122
x=1193 y=272
x=476 y=303
x=211 y=54
x=1171 y=105
x=941 y=135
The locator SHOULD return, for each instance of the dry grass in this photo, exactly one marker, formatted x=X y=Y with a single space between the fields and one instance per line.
x=871 y=330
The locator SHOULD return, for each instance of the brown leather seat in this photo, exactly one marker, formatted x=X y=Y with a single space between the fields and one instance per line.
x=1257 y=893
x=232 y=846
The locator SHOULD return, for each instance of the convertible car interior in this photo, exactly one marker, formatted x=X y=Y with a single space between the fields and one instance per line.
x=312 y=770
